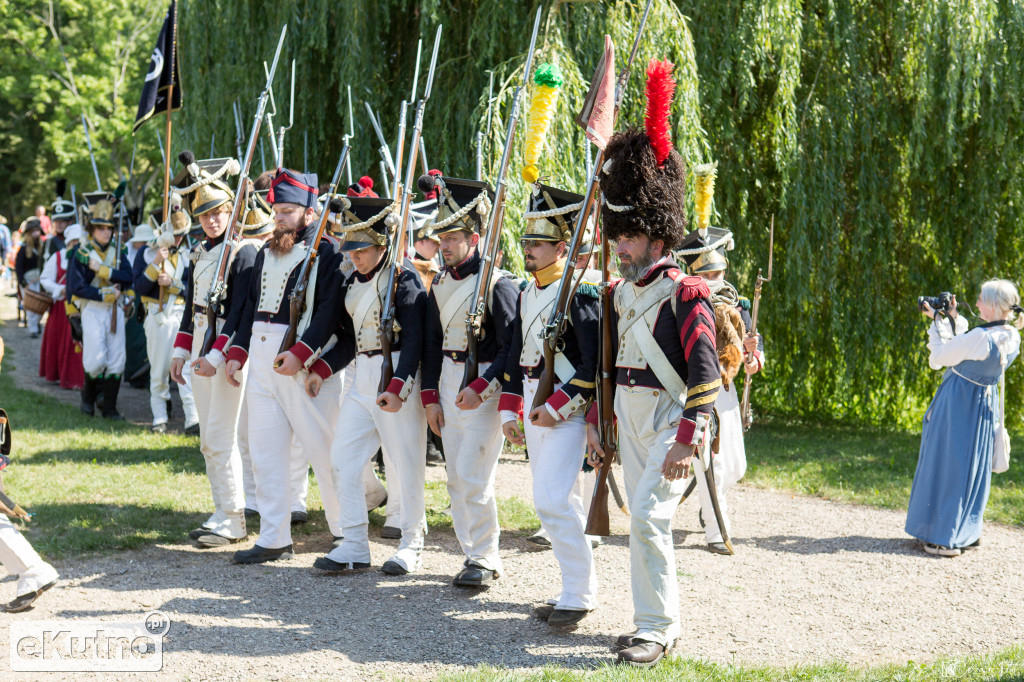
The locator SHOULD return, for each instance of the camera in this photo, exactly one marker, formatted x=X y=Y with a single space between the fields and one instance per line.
x=939 y=304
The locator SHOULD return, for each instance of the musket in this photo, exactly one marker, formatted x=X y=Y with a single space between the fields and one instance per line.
x=396 y=249
x=74 y=201
x=237 y=111
x=384 y=150
x=120 y=226
x=218 y=290
x=707 y=469
x=297 y=300
x=492 y=235
x=598 y=522
x=346 y=138
x=88 y=141
x=291 y=121
x=552 y=331
x=213 y=137
x=12 y=508
x=748 y=415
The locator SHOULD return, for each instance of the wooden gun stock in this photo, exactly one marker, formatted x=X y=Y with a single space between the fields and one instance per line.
x=296 y=308
x=598 y=522
x=211 y=332
x=472 y=370
x=387 y=368
x=546 y=383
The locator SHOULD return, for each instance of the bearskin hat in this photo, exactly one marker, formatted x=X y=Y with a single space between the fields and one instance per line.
x=643 y=181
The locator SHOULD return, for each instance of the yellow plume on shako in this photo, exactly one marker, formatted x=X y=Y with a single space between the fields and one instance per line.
x=548 y=79
x=704 y=190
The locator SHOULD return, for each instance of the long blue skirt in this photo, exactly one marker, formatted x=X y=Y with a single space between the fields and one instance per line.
x=954 y=467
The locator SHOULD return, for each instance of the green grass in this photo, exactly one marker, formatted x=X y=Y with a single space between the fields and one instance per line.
x=859 y=464
x=1005 y=665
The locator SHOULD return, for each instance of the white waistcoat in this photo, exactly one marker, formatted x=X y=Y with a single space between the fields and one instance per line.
x=204 y=268
x=454 y=297
x=638 y=309
x=363 y=302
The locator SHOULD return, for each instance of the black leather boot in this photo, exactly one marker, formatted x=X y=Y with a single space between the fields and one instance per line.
x=111 y=387
x=89 y=390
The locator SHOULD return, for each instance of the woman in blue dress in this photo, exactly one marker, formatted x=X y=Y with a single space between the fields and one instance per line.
x=954 y=467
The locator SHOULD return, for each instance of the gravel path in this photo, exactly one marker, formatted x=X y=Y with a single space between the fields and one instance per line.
x=812 y=581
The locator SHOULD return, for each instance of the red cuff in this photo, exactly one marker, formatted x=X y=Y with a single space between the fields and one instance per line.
x=592 y=414
x=183 y=340
x=558 y=400
x=395 y=387
x=237 y=353
x=302 y=352
x=685 y=432
x=430 y=397
x=479 y=385
x=510 y=402
x=221 y=341
x=322 y=368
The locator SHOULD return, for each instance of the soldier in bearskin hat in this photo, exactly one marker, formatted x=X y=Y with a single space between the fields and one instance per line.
x=163 y=274
x=370 y=419
x=667 y=368
x=98 y=277
x=278 y=407
x=218 y=401
x=704 y=252
x=467 y=418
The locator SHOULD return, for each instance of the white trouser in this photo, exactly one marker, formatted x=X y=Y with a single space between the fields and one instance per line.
x=161 y=329
x=647 y=422
x=472 y=443
x=729 y=464
x=362 y=428
x=31 y=318
x=102 y=352
x=218 y=404
x=279 y=408
x=299 y=468
x=556 y=457
x=21 y=560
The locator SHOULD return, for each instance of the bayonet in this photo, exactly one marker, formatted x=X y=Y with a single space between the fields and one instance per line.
x=92 y=157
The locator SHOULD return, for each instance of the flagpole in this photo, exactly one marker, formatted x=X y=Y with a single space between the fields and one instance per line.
x=170 y=104
x=167 y=153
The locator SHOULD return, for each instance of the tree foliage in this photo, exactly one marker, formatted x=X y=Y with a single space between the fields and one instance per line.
x=884 y=138
x=63 y=60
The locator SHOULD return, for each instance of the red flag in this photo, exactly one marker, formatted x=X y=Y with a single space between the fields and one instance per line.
x=598 y=114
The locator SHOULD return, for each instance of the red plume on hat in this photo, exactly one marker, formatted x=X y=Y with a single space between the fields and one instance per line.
x=661 y=87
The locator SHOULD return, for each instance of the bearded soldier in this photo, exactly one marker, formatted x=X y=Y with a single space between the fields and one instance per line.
x=217 y=401
x=467 y=419
x=704 y=251
x=278 y=406
x=554 y=432
x=99 y=273
x=163 y=274
x=371 y=419
x=666 y=368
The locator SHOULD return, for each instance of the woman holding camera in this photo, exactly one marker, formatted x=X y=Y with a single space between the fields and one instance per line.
x=964 y=421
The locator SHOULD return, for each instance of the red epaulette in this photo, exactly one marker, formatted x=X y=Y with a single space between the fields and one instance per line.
x=690 y=287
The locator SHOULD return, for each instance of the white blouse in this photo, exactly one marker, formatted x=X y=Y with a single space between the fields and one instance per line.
x=48 y=277
x=948 y=350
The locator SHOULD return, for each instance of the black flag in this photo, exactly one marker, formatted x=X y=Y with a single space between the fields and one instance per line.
x=163 y=72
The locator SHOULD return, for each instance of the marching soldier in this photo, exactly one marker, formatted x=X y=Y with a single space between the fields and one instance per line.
x=704 y=251
x=667 y=368
x=554 y=432
x=371 y=419
x=217 y=401
x=278 y=406
x=163 y=273
x=258 y=225
x=98 y=272
x=467 y=419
